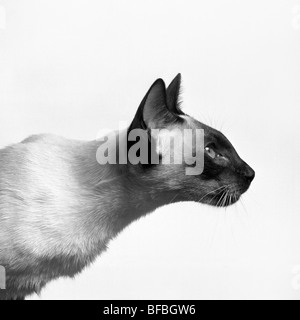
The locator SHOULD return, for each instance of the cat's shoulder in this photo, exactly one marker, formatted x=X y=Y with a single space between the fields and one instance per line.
x=37 y=148
x=47 y=139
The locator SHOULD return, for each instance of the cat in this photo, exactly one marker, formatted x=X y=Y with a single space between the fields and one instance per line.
x=59 y=207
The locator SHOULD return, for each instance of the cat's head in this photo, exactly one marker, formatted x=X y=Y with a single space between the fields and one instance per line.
x=225 y=175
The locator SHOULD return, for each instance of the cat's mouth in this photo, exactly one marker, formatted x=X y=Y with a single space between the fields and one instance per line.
x=224 y=196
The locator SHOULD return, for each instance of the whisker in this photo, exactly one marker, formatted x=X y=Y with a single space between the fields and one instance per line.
x=217 y=205
x=220 y=188
x=174 y=198
x=225 y=199
x=242 y=203
x=213 y=198
x=221 y=199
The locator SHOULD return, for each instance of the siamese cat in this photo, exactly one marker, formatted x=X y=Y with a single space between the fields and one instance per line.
x=59 y=207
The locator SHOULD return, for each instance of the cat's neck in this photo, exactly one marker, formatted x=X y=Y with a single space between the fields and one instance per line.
x=119 y=195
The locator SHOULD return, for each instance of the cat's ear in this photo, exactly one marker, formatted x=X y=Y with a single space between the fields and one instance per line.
x=153 y=112
x=173 y=96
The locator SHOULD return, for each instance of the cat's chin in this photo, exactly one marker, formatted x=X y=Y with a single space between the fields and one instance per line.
x=223 y=201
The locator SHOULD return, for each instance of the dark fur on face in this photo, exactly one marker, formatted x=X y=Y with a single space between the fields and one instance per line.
x=226 y=176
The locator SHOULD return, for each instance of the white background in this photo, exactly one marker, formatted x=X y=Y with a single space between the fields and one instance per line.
x=75 y=67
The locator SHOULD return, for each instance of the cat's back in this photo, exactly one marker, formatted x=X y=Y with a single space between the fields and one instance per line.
x=33 y=158
x=44 y=203
x=38 y=189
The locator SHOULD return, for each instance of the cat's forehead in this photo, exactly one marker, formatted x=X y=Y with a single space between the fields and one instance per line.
x=211 y=134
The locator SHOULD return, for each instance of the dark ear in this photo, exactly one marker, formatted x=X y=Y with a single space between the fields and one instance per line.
x=173 y=96
x=153 y=111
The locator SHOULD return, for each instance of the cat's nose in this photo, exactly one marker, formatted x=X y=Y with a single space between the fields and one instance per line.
x=249 y=174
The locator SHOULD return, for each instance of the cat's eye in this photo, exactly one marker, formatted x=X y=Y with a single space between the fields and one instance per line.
x=211 y=152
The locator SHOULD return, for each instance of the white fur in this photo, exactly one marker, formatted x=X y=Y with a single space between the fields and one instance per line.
x=47 y=208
